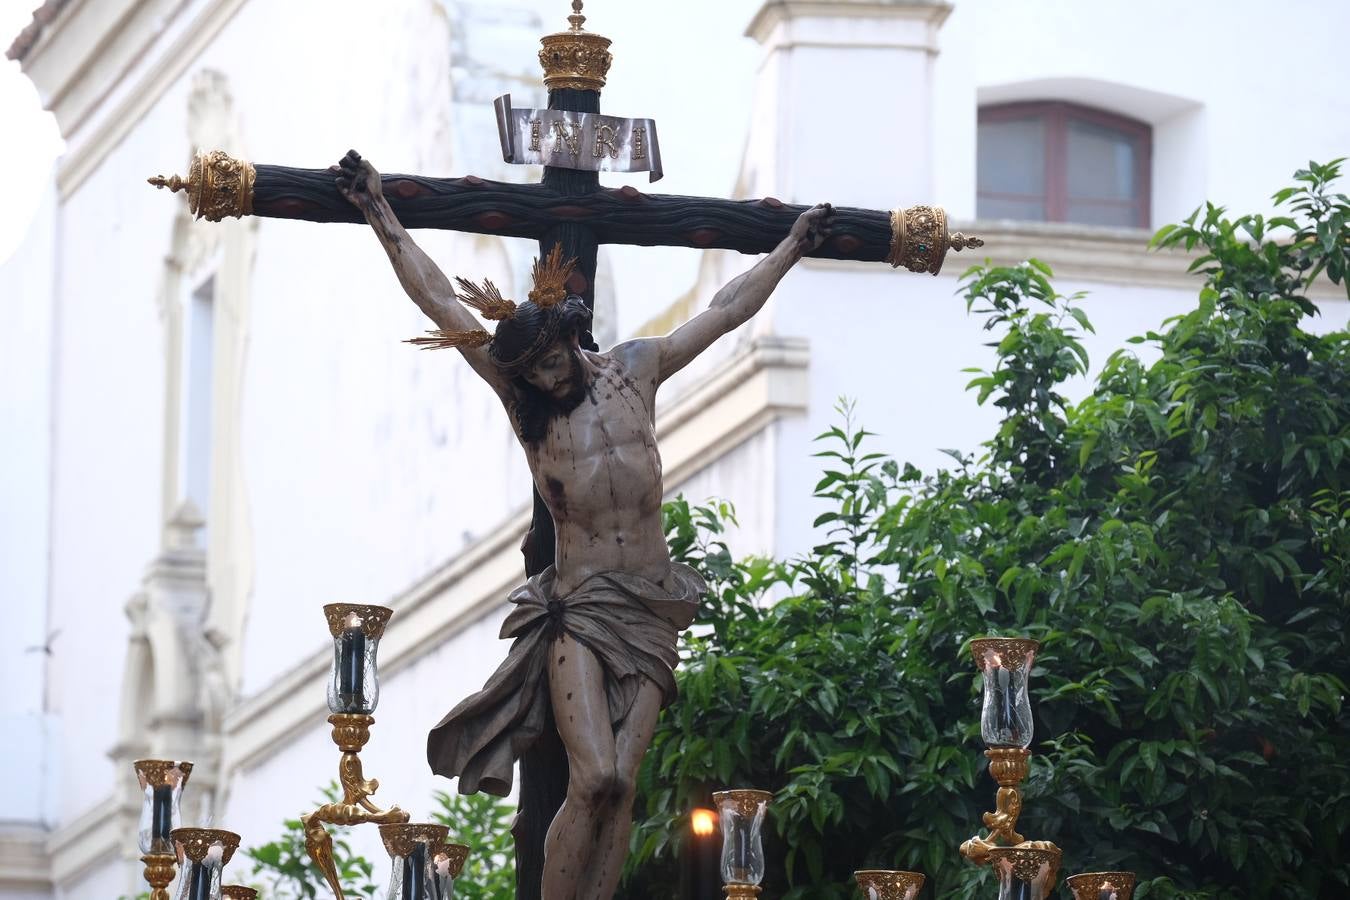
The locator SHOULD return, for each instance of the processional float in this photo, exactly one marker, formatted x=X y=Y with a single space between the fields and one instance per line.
x=569 y=207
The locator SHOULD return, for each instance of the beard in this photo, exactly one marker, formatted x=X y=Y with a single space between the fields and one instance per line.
x=534 y=408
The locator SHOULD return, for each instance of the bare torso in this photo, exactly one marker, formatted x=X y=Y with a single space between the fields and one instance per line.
x=599 y=471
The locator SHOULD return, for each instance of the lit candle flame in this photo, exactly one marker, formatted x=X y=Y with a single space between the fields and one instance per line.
x=703 y=822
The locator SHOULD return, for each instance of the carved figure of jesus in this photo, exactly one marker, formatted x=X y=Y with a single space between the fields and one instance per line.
x=595 y=634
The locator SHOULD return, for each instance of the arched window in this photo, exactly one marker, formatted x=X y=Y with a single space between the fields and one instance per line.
x=1060 y=162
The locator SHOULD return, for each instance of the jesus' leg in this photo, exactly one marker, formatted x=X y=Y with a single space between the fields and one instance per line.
x=581 y=710
x=602 y=876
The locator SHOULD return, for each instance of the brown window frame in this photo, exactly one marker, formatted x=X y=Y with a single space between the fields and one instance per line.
x=1057 y=114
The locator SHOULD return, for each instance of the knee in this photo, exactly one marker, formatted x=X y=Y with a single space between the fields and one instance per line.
x=599 y=785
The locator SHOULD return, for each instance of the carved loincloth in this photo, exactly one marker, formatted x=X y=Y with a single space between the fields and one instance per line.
x=630 y=623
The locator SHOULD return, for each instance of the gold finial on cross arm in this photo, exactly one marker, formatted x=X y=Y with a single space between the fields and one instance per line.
x=919 y=239
x=218 y=185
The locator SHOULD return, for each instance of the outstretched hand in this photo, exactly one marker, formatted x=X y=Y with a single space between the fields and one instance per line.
x=813 y=227
x=357 y=180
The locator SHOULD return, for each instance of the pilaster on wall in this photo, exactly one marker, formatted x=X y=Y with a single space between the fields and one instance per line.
x=850 y=127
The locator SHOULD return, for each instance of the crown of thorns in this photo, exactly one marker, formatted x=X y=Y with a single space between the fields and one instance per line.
x=550 y=288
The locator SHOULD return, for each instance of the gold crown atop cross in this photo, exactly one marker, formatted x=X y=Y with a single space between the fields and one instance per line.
x=575 y=58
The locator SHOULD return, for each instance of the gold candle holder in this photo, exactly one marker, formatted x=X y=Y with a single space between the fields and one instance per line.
x=742 y=816
x=350 y=625
x=1005 y=716
x=161 y=783
x=1034 y=866
x=1102 y=886
x=203 y=849
x=888 y=884
x=159 y=871
x=238 y=892
x=453 y=856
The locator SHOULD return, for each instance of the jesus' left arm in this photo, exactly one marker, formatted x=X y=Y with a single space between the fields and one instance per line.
x=741 y=298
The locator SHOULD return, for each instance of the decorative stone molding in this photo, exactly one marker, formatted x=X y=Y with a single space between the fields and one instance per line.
x=1085 y=253
x=894 y=23
x=23 y=862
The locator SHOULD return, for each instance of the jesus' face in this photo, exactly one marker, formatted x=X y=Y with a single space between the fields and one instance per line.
x=557 y=371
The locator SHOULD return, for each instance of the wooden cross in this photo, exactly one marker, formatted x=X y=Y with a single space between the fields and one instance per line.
x=568 y=207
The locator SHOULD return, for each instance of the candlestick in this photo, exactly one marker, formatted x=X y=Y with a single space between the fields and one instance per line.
x=162 y=782
x=1005 y=724
x=354 y=687
x=351 y=698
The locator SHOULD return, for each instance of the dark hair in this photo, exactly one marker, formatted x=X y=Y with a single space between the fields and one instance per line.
x=520 y=339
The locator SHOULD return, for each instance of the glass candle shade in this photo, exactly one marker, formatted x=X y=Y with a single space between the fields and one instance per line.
x=1102 y=886
x=448 y=860
x=1025 y=873
x=238 y=892
x=742 y=817
x=355 y=683
x=887 y=884
x=162 y=782
x=413 y=849
x=202 y=856
x=1005 y=717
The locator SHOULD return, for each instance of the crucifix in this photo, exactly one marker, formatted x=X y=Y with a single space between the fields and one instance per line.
x=594 y=628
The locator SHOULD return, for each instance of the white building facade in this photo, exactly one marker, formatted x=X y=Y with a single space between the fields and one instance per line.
x=210 y=430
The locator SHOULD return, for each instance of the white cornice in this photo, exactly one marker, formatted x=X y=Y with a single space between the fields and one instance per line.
x=784 y=23
x=23 y=861
x=91 y=839
x=1078 y=253
x=129 y=84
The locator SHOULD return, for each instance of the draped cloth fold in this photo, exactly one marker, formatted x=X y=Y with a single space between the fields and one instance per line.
x=629 y=622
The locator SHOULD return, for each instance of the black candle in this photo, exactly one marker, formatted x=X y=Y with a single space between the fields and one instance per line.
x=1021 y=890
x=352 y=666
x=199 y=883
x=415 y=872
x=161 y=815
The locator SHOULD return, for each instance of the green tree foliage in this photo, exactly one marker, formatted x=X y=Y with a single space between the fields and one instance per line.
x=1179 y=542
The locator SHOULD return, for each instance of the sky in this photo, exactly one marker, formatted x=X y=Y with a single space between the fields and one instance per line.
x=31 y=141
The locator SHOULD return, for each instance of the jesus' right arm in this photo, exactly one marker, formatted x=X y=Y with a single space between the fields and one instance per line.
x=421 y=278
